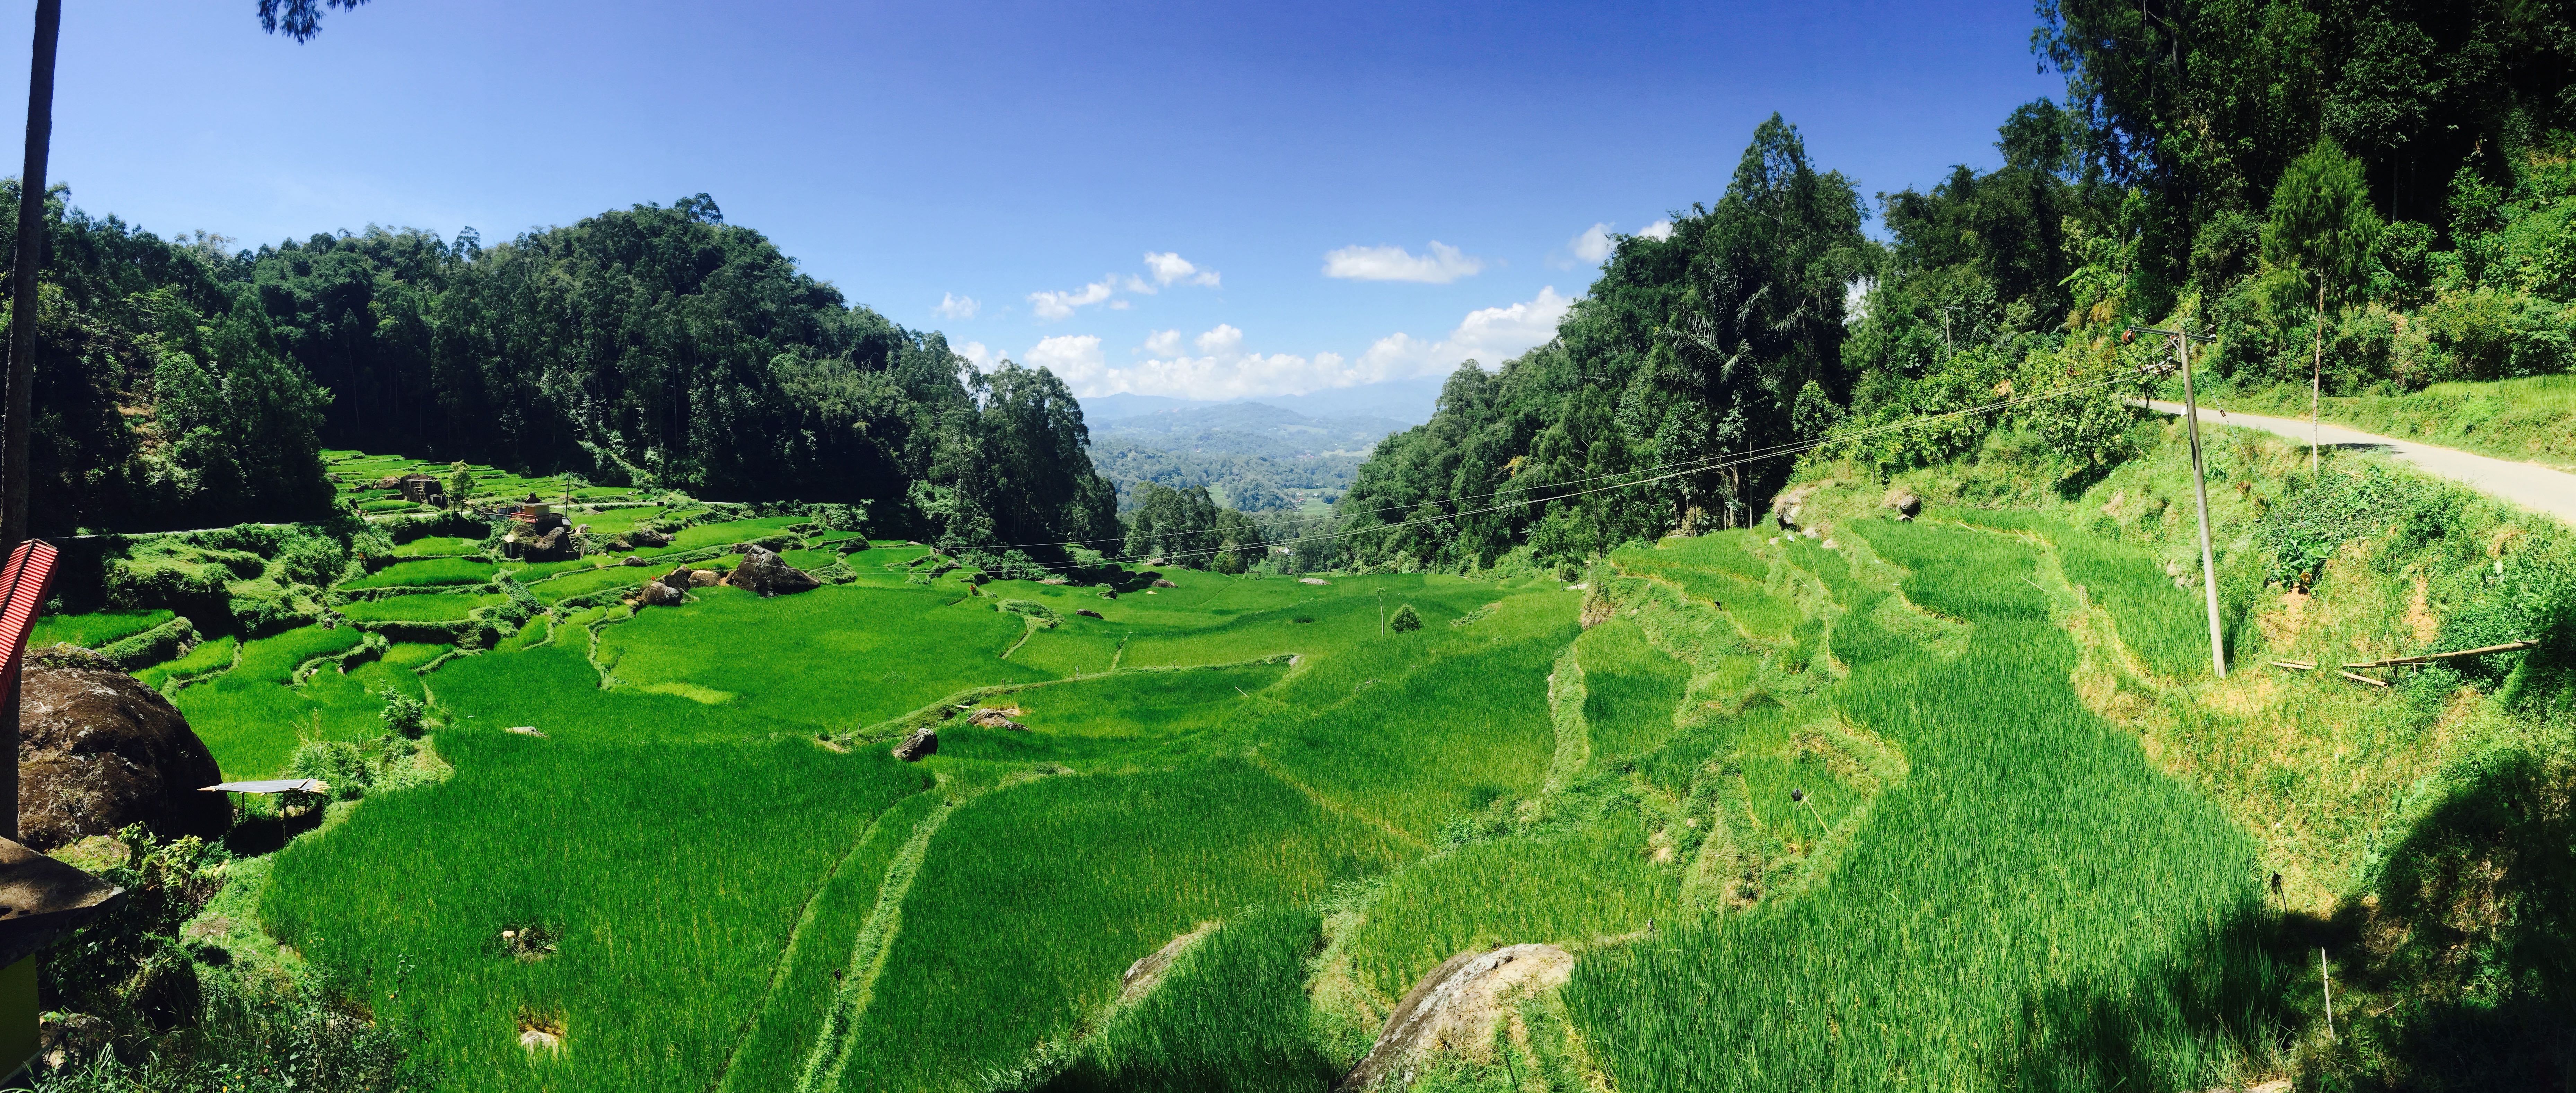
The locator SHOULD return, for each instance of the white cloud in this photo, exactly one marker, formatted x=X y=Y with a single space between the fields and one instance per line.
x=1661 y=229
x=1223 y=368
x=1074 y=358
x=1443 y=265
x=978 y=355
x=1223 y=340
x=1594 y=244
x=1060 y=305
x=1489 y=336
x=956 y=307
x=1169 y=268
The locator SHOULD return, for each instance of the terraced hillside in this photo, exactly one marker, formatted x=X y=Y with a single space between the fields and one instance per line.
x=1852 y=811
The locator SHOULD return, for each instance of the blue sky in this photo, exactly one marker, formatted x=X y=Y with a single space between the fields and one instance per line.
x=1194 y=200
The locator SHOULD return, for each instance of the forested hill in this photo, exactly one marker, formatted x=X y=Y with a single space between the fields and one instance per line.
x=2381 y=194
x=183 y=384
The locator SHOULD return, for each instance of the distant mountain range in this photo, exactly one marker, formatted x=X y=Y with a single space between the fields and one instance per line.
x=1407 y=401
x=1254 y=456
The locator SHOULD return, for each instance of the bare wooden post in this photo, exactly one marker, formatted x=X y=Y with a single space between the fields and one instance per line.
x=16 y=426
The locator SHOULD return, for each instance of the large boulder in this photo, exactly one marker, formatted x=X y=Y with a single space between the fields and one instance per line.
x=764 y=572
x=657 y=594
x=1457 y=1007
x=98 y=750
x=922 y=744
x=647 y=537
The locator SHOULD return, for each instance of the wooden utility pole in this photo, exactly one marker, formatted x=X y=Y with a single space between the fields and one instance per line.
x=16 y=424
x=2317 y=376
x=2182 y=340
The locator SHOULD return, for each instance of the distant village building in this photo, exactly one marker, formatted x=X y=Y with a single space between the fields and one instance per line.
x=539 y=534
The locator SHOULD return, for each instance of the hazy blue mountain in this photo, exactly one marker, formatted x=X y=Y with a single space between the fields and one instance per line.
x=1257 y=457
x=1408 y=402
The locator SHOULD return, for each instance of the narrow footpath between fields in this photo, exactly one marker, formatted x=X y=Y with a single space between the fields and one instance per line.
x=2527 y=484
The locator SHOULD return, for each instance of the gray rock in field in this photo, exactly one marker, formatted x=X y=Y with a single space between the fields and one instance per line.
x=98 y=750
x=923 y=743
x=1086 y=612
x=1907 y=506
x=680 y=580
x=1457 y=1006
x=764 y=572
x=634 y=561
x=647 y=537
x=705 y=578
x=657 y=594
x=1161 y=583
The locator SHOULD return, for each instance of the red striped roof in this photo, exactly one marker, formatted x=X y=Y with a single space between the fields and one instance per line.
x=22 y=593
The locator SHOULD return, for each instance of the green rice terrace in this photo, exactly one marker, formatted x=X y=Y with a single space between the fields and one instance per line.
x=1923 y=803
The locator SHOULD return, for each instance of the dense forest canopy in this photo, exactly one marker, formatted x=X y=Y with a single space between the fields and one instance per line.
x=183 y=385
x=2378 y=193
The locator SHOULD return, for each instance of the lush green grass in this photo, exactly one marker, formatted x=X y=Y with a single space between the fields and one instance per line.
x=1632 y=689
x=1408 y=730
x=2166 y=625
x=1230 y=1013
x=1933 y=957
x=583 y=582
x=1569 y=890
x=1035 y=897
x=96 y=629
x=671 y=877
x=825 y=660
x=437 y=546
x=773 y=1052
x=431 y=573
x=1114 y=716
x=252 y=719
x=426 y=607
x=1719 y=569
x=209 y=655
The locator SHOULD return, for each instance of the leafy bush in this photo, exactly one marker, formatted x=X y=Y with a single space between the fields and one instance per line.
x=336 y=762
x=1404 y=620
x=2312 y=524
x=129 y=960
x=404 y=715
x=1030 y=608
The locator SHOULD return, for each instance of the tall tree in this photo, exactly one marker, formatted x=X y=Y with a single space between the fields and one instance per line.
x=2322 y=227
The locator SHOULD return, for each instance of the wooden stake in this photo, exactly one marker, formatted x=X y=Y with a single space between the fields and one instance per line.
x=2294 y=665
x=2364 y=679
x=2328 y=980
x=2429 y=658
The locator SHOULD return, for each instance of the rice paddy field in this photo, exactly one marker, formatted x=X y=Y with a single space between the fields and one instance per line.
x=1805 y=816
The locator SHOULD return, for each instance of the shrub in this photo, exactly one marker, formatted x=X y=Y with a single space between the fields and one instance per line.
x=110 y=966
x=1405 y=619
x=403 y=714
x=337 y=762
x=1030 y=608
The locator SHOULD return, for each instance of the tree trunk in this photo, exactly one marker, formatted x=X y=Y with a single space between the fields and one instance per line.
x=16 y=425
